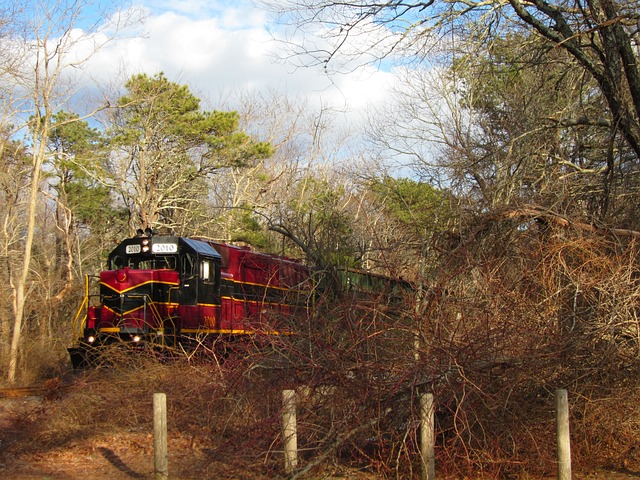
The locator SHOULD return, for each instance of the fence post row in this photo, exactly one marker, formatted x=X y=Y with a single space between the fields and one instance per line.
x=427 y=434
x=161 y=455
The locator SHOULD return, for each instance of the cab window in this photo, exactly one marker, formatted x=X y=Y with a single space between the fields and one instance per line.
x=205 y=271
x=188 y=264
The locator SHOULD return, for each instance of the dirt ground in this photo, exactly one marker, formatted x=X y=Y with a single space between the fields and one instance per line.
x=129 y=455
x=125 y=455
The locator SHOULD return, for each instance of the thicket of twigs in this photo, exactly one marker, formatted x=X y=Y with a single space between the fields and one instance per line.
x=512 y=315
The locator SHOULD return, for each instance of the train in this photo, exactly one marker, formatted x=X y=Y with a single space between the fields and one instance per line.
x=166 y=291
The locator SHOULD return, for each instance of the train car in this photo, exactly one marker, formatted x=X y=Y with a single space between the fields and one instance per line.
x=162 y=290
x=374 y=287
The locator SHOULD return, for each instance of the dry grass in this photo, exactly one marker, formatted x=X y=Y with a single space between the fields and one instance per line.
x=224 y=422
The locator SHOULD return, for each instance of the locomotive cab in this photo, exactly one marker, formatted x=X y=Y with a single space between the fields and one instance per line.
x=153 y=287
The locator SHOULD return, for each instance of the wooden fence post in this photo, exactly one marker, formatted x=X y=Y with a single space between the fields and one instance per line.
x=289 y=430
x=427 y=436
x=161 y=455
x=562 y=432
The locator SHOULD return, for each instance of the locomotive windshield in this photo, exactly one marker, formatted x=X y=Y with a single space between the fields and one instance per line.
x=140 y=262
x=146 y=253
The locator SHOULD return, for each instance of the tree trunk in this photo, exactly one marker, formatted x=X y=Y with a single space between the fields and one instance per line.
x=21 y=282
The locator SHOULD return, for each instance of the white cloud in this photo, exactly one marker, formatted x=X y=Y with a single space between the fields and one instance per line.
x=220 y=47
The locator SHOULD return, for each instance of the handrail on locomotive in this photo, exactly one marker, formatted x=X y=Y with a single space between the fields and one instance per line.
x=77 y=325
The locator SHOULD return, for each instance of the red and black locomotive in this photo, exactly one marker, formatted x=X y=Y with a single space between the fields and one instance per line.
x=164 y=289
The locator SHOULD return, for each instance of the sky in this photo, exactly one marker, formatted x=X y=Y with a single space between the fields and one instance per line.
x=219 y=48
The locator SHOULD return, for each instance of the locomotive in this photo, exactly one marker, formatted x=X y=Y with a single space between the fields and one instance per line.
x=161 y=290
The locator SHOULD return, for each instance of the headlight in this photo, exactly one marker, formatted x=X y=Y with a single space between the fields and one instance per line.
x=136 y=338
x=91 y=339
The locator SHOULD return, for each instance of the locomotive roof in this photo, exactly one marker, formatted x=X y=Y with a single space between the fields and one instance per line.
x=202 y=248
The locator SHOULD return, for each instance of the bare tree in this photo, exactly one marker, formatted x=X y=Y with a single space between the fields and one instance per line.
x=291 y=194
x=601 y=36
x=46 y=43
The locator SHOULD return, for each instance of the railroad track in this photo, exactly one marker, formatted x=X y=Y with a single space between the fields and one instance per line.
x=49 y=389
x=20 y=392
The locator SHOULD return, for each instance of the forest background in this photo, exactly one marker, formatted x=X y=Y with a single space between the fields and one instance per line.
x=501 y=178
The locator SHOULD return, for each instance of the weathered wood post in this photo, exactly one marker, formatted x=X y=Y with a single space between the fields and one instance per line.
x=289 y=430
x=562 y=432
x=161 y=455
x=427 y=436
